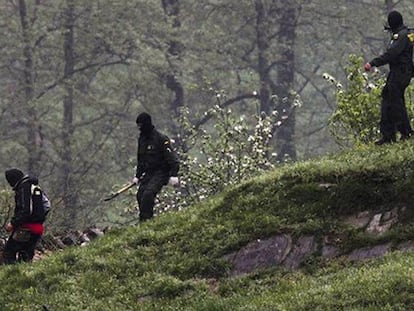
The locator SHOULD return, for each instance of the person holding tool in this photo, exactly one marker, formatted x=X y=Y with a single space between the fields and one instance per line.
x=399 y=57
x=157 y=165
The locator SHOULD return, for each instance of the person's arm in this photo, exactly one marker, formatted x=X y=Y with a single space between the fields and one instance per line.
x=398 y=44
x=140 y=168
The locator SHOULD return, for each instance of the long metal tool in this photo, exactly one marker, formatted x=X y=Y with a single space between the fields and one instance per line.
x=122 y=190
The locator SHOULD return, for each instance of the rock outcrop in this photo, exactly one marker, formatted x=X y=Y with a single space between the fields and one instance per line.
x=282 y=250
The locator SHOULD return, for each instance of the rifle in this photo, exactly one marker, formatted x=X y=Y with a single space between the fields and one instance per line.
x=122 y=190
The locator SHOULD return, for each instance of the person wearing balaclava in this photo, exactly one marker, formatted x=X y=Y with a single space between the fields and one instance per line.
x=399 y=57
x=26 y=224
x=157 y=165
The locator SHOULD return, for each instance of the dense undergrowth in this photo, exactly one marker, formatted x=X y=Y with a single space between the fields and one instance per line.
x=176 y=261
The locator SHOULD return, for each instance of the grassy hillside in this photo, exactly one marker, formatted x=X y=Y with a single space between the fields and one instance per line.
x=176 y=261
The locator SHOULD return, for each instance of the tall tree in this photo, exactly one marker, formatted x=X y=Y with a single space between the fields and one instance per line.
x=69 y=193
x=174 y=55
x=287 y=16
x=263 y=45
x=33 y=126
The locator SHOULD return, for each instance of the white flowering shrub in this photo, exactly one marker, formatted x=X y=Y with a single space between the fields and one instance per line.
x=231 y=148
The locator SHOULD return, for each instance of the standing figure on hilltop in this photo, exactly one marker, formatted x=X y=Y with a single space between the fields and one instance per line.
x=26 y=225
x=399 y=57
x=157 y=165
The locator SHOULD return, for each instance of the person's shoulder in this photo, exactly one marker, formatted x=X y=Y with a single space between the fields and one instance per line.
x=160 y=135
x=402 y=33
x=33 y=180
x=163 y=140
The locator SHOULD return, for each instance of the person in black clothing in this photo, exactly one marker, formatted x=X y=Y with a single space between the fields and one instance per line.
x=26 y=225
x=398 y=56
x=157 y=165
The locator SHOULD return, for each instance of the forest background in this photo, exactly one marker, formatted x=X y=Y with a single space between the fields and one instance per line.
x=239 y=85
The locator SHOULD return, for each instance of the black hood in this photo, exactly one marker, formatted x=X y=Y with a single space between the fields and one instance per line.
x=144 y=123
x=395 y=20
x=13 y=176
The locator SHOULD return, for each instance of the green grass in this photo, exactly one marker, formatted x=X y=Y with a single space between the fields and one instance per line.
x=175 y=262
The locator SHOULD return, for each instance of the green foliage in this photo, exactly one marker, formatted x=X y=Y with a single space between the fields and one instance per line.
x=357 y=114
x=358 y=104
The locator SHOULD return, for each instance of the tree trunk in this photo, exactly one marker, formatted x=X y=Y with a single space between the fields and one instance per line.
x=174 y=53
x=69 y=195
x=174 y=76
x=285 y=135
x=34 y=140
x=262 y=46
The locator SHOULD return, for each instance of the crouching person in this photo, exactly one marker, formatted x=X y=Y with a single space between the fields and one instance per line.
x=26 y=225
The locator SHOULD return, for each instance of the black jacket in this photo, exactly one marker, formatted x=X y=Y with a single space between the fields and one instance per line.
x=399 y=54
x=156 y=154
x=24 y=212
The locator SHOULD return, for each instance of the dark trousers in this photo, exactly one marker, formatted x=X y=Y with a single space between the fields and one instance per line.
x=394 y=116
x=149 y=187
x=20 y=246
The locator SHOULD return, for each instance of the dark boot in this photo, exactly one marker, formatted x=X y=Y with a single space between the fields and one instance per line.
x=384 y=141
x=406 y=136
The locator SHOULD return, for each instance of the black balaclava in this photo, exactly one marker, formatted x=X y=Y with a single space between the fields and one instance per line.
x=144 y=123
x=395 y=20
x=13 y=176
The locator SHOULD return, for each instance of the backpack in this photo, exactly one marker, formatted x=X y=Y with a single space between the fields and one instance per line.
x=40 y=204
